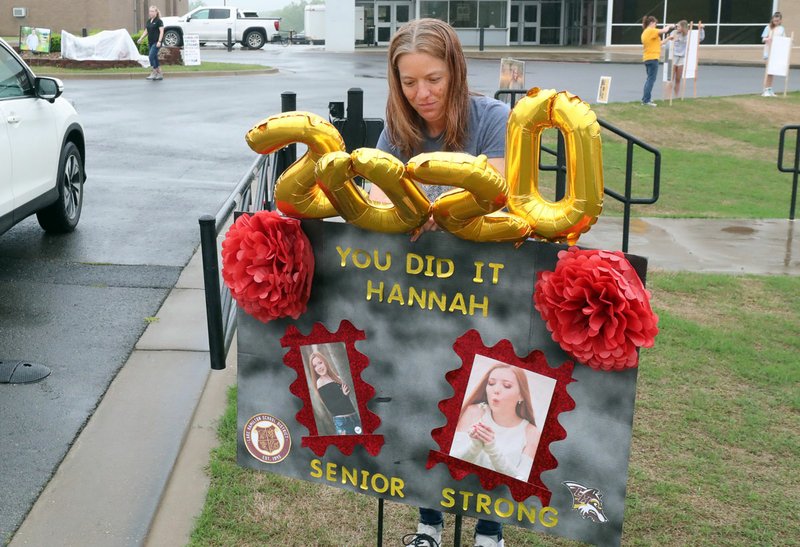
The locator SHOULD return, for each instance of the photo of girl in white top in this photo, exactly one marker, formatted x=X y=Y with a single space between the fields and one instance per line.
x=498 y=428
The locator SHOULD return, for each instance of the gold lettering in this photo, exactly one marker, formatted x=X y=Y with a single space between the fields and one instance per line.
x=448 y=499
x=458 y=304
x=372 y=290
x=361 y=263
x=343 y=253
x=396 y=488
x=501 y=513
x=349 y=475
x=484 y=306
x=482 y=502
x=418 y=296
x=380 y=489
x=478 y=273
x=465 y=496
x=396 y=295
x=451 y=268
x=330 y=472
x=364 y=480
x=316 y=469
x=496 y=267
x=429 y=265
x=522 y=509
x=549 y=521
x=417 y=267
x=440 y=301
x=378 y=265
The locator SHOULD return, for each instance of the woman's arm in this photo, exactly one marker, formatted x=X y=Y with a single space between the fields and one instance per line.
x=161 y=33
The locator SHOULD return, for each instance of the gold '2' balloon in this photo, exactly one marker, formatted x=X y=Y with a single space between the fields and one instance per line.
x=409 y=207
x=469 y=213
x=319 y=185
x=573 y=215
x=296 y=190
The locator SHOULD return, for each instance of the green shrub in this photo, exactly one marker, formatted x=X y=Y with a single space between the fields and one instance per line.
x=144 y=47
x=55 y=42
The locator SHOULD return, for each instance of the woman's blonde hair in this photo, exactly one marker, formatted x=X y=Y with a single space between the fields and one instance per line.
x=683 y=25
x=158 y=11
x=404 y=125
x=524 y=410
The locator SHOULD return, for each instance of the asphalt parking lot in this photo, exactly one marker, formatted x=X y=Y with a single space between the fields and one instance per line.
x=160 y=154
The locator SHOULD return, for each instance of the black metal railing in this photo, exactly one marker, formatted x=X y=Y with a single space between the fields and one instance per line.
x=795 y=169
x=626 y=197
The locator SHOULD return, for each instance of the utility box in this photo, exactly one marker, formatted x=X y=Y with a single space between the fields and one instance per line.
x=314 y=23
x=23 y=12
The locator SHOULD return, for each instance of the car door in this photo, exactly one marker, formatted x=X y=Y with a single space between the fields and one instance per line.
x=221 y=21
x=200 y=24
x=6 y=193
x=31 y=131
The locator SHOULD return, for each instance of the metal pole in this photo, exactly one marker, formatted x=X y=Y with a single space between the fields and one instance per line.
x=457 y=532
x=626 y=219
x=216 y=336
x=289 y=154
x=230 y=40
x=796 y=170
x=561 y=171
x=380 y=522
x=480 y=39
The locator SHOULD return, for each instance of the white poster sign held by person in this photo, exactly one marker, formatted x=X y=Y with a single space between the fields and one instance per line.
x=692 y=45
x=779 y=52
x=191 y=49
x=603 y=89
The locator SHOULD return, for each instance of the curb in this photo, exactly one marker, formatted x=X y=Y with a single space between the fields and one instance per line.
x=168 y=75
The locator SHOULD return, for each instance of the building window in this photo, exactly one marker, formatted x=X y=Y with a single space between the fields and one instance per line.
x=464 y=14
x=550 y=30
x=492 y=14
x=435 y=10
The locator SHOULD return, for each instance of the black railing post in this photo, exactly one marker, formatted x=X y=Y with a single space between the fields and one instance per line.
x=380 y=522
x=457 y=531
x=561 y=167
x=84 y=33
x=796 y=171
x=481 y=33
x=354 y=132
x=288 y=154
x=216 y=337
x=229 y=43
x=626 y=219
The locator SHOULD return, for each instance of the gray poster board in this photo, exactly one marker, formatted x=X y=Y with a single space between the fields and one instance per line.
x=402 y=350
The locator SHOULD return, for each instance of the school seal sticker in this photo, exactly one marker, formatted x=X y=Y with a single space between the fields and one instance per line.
x=267 y=438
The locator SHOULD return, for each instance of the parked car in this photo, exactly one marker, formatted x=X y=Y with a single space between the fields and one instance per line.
x=211 y=24
x=42 y=149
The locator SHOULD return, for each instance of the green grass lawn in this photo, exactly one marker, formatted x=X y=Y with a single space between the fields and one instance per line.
x=719 y=156
x=205 y=67
x=715 y=450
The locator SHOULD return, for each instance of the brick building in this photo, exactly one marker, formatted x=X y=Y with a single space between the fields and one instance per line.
x=74 y=15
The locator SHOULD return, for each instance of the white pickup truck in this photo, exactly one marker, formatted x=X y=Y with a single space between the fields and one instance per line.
x=212 y=24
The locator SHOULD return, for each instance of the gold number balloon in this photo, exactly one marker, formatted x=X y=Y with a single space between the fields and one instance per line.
x=409 y=207
x=468 y=213
x=571 y=216
x=296 y=191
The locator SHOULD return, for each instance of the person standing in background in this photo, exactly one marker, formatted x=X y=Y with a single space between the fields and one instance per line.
x=681 y=38
x=155 y=33
x=651 y=42
x=773 y=29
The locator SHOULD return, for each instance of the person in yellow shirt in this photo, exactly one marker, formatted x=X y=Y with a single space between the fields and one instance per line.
x=651 y=41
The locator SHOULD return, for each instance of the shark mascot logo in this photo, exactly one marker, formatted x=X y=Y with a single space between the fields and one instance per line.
x=587 y=501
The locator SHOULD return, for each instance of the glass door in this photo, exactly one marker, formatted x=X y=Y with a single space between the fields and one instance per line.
x=524 y=29
x=388 y=17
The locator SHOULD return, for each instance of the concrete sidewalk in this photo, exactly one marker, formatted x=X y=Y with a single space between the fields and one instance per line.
x=136 y=474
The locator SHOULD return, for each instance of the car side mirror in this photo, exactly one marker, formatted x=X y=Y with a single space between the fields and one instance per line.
x=49 y=89
x=188 y=19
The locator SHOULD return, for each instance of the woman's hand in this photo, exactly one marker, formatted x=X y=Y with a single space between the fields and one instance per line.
x=429 y=226
x=482 y=432
x=345 y=389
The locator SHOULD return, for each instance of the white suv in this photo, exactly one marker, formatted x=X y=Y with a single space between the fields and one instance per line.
x=42 y=149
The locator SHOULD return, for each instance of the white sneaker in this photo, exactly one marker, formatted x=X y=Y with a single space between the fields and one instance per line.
x=651 y=103
x=487 y=541
x=426 y=536
x=771 y=93
x=152 y=76
x=765 y=93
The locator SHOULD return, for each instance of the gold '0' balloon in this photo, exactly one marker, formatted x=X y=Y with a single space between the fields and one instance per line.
x=409 y=207
x=571 y=216
x=469 y=213
x=296 y=191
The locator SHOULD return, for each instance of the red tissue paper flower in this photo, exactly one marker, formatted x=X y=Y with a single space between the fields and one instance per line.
x=268 y=264
x=597 y=308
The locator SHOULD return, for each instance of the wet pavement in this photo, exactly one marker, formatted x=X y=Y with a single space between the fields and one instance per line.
x=160 y=154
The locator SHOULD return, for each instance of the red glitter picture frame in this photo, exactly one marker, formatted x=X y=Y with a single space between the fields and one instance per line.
x=467 y=347
x=347 y=334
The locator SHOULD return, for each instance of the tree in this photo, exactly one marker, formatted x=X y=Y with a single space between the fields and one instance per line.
x=293 y=15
